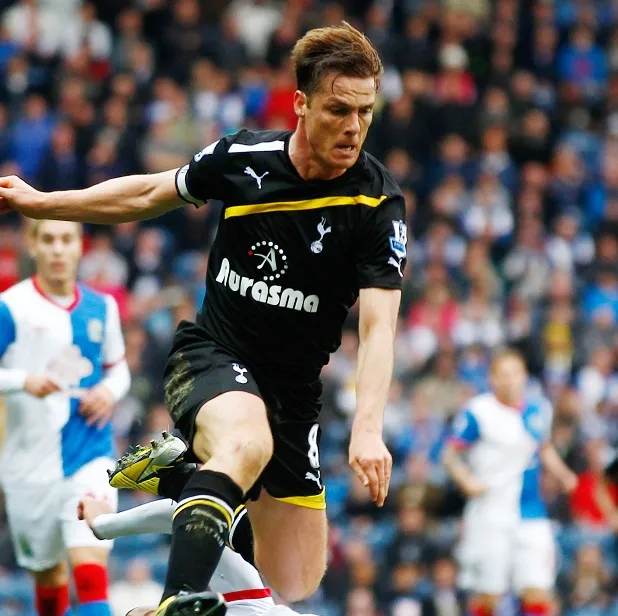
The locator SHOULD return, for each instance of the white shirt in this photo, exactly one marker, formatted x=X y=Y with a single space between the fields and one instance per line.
x=79 y=346
x=503 y=445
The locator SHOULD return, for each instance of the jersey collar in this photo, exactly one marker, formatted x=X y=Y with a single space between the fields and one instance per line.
x=76 y=293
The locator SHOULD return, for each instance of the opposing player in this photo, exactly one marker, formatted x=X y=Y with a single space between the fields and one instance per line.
x=62 y=369
x=311 y=223
x=507 y=541
x=235 y=581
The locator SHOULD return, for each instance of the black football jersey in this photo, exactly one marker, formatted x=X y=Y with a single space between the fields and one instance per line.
x=290 y=255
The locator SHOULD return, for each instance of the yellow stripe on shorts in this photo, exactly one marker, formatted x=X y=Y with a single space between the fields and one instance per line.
x=317 y=501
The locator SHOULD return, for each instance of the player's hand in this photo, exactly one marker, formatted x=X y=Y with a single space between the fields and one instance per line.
x=569 y=482
x=40 y=385
x=17 y=195
x=97 y=405
x=372 y=462
x=90 y=508
x=474 y=488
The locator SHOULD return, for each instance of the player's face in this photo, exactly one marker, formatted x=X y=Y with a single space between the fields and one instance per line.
x=56 y=248
x=337 y=117
x=508 y=380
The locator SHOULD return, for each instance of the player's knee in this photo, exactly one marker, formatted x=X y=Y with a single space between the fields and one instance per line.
x=253 y=447
x=536 y=601
x=484 y=604
x=242 y=453
x=52 y=578
x=299 y=585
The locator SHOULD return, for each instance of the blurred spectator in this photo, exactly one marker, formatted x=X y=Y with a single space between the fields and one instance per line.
x=446 y=599
x=526 y=267
x=361 y=602
x=602 y=294
x=443 y=392
x=411 y=544
x=101 y=264
x=31 y=135
x=87 y=35
x=182 y=39
x=569 y=248
x=582 y=65
x=60 y=167
x=586 y=508
x=487 y=212
x=588 y=586
x=34 y=28
x=129 y=27
x=495 y=158
x=136 y=589
x=596 y=379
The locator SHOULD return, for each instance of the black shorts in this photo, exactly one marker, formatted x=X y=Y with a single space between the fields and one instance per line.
x=199 y=370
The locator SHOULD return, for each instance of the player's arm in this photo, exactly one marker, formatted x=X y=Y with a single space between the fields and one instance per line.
x=369 y=456
x=605 y=502
x=465 y=433
x=99 y=402
x=16 y=379
x=554 y=464
x=134 y=197
x=380 y=242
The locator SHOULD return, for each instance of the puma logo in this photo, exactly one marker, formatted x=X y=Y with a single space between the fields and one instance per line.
x=255 y=176
x=313 y=477
x=397 y=264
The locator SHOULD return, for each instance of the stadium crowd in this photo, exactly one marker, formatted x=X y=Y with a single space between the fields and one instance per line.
x=500 y=122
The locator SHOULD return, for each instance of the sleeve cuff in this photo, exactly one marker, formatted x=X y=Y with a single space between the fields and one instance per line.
x=181 y=187
x=458 y=443
x=12 y=380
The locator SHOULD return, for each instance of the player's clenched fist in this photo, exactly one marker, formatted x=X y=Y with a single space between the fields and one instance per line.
x=40 y=385
x=372 y=463
x=17 y=195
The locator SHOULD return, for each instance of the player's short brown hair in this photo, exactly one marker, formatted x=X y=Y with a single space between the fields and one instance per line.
x=334 y=49
x=33 y=226
x=507 y=353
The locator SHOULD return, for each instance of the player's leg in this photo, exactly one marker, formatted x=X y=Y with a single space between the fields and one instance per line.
x=232 y=436
x=88 y=556
x=161 y=469
x=34 y=521
x=52 y=591
x=485 y=557
x=290 y=545
x=534 y=570
x=89 y=565
x=289 y=519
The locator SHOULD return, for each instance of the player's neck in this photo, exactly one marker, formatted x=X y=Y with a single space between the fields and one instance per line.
x=516 y=404
x=62 y=288
x=302 y=158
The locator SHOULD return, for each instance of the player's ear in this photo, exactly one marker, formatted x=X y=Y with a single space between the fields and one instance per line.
x=30 y=233
x=300 y=103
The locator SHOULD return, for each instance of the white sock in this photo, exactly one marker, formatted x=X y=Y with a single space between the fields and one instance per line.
x=154 y=517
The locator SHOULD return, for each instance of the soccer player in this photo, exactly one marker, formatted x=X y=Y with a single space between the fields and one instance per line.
x=311 y=223
x=507 y=536
x=235 y=581
x=62 y=369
